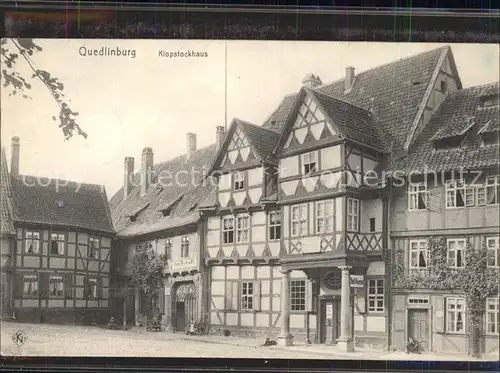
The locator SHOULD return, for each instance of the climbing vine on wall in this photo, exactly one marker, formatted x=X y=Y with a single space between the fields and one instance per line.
x=475 y=279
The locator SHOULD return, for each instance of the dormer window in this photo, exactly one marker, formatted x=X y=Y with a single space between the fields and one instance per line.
x=309 y=163
x=239 y=180
x=490 y=101
x=449 y=142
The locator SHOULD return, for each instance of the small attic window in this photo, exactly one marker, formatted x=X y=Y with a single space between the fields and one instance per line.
x=443 y=86
x=416 y=82
x=449 y=142
x=133 y=218
x=491 y=138
x=193 y=207
x=60 y=203
x=490 y=101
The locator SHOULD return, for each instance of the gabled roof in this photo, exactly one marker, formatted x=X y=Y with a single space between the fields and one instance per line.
x=6 y=218
x=39 y=200
x=394 y=93
x=181 y=183
x=262 y=140
x=460 y=112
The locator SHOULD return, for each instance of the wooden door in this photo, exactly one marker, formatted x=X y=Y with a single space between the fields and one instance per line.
x=180 y=316
x=330 y=321
x=418 y=327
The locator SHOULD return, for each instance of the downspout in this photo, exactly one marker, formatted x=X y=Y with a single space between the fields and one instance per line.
x=388 y=259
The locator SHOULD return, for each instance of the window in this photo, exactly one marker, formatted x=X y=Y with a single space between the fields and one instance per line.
x=247 y=296
x=493 y=251
x=456 y=253
x=491 y=101
x=228 y=230
x=93 y=247
x=419 y=255
x=493 y=190
x=242 y=228
x=231 y=296
x=418 y=300
x=30 y=285
x=297 y=295
x=492 y=315
x=57 y=244
x=376 y=295
x=455 y=311
x=309 y=162
x=56 y=288
x=299 y=220
x=443 y=87
x=274 y=225
x=184 y=247
x=92 y=288
x=239 y=180
x=324 y=217
x=458 y=195
x=32 y=242
x=168 y=248
x=372 y=224
x=352 y=214
x=417 y=194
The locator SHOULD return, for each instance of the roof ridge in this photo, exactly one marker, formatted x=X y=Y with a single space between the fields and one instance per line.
x=53 y=178
x=182 y=155
x=260 y=127
x=325 y=85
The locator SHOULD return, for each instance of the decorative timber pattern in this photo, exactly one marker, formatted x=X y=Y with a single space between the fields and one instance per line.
x=368 y=242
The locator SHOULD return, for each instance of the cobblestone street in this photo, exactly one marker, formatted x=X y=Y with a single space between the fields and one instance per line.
x=58 y=340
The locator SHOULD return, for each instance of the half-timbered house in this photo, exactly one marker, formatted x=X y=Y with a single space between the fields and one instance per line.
x=61 y=254
x=7 y=240
x=452 y=193
x=325 y=278
x=158 y=207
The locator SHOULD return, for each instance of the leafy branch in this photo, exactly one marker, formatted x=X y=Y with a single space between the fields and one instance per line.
x=26 y=48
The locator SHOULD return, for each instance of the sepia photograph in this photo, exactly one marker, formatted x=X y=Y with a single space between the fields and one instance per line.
x=250 y=199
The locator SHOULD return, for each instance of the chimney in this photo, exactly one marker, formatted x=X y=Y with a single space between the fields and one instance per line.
x=146 y=169
x=220 y=135
x=349 y=78
x=311 y=81
x=128 y=175
x=14 y=157
x=190 y=144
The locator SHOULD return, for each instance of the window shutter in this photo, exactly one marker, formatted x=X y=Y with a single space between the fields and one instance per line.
x=68 y=285
x=309 y=296
x=256 y=295
x=44 y=285
x=99 y=288
x=19 y=285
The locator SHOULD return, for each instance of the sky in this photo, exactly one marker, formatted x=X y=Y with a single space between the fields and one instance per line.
x=126 y=103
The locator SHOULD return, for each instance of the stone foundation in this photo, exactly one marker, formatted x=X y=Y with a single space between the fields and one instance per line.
x=62 y=316
x=299 y=335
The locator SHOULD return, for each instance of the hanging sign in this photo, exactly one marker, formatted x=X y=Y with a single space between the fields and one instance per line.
x=357 y=281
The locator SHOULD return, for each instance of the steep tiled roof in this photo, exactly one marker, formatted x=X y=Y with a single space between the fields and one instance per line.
x=181 y=186
x=261 y=139
x=6 y=221
x=393 y=93
x=61 y=203
x=461 y=112
x=354 y=122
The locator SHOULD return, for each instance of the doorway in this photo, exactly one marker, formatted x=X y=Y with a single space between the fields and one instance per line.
x=418 y=327
x=329 y=320
x=180 y=316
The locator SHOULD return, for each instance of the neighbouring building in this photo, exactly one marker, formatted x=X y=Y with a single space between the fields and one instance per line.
x=453 y=192
x=158 y=207
x=300 y=237
x=60 y=258
x=7 y=240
